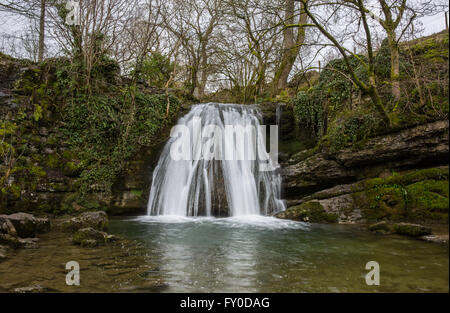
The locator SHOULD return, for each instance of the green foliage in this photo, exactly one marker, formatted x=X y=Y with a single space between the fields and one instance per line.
x=106 y=130
x=328 y=96
x=105 y=70
x=155 y=70
x=308 y=110
x=351 y=127
x=432 y=49
x=340 y=115
x=383 y=63
x=90 y=132
x=335 y=81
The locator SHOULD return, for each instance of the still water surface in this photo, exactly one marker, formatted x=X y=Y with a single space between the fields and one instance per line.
x=264 y=254
x=255 y=254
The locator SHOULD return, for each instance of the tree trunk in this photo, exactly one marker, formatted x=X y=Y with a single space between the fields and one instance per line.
x=291 y=47
x=395 y=65
x=41 y=32
x=193 y=80
x=376 y=100
x=204 y=72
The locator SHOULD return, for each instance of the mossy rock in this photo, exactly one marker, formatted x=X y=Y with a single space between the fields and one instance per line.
x=419 y=195
x=428 y=200
x=382 y=202
x=381 y=228
x=311 y=211
x=89 y=237
x=411 y=230
x=96 y=220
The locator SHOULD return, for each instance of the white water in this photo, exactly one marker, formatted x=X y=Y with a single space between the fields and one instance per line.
x=200 y=187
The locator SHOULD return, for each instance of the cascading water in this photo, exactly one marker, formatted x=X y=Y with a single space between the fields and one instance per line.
x=219 y=185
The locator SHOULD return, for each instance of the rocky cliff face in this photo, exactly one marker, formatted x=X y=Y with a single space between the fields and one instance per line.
x=357 y=185
x=48 y=181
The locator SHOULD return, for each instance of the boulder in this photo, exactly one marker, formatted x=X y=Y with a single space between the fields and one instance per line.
x=90 y=237
x=97 y=220
x=343 y=207
x=311 y=211
x=8 y=240
x=381 y=228
x=411 y=230
x=27 y=226
x=6 y=227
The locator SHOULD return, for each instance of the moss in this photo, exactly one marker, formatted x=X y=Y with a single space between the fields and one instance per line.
x=410 y=177
x=38 y=171
x=414 y=196
x=311 y=211
x=381 y=228
x=412 y=230
x=99 y=130
x=137 y=193
x=52 y=161
x=382 y=202
x=71 y=169
x=428 y=200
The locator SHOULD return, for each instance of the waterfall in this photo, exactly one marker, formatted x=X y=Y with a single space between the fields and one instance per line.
x=223 y=184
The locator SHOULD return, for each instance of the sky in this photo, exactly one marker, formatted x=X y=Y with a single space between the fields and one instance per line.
x=433 y=24
x=13 y=25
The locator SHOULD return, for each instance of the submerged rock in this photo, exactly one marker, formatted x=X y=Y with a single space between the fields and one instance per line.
x=31 y=289
x=15 y=242
x=97 y=220
x=29 y=243
x=411 y=230
x=435 y=238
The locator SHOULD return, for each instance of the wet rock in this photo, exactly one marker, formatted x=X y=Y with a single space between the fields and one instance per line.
x=381 y=228
x=305 y=174
x=8 y=240
x=435 y=238
x=414 y=144
x=311 y=211
x=27 y=226
x=343 y=207
x=97 y=220
x=6 y=227
x=90 y=237
x=411 y=230
x=3 y=252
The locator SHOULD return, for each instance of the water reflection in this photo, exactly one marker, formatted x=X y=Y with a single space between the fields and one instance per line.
x=263 y=254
